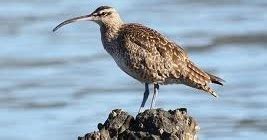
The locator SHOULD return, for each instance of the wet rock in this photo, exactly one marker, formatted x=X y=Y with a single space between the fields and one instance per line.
x=152 y=124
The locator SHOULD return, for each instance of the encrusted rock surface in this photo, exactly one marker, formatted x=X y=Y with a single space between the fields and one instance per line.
x=152 y=124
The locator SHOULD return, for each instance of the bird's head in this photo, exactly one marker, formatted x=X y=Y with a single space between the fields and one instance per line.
x=103 y=15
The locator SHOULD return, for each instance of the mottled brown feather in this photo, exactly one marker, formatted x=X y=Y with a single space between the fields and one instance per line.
x=150 y=57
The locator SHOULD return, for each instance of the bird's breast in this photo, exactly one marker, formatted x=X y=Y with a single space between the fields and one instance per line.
x=135 y=60
x=120 y=56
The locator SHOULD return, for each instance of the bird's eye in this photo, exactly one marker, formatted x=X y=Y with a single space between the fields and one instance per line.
x=104 y=13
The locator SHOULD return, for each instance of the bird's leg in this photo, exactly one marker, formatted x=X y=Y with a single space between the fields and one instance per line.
x=156 y=91
x=146 y=93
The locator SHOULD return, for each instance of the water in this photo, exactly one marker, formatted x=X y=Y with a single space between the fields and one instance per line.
x=60 y=85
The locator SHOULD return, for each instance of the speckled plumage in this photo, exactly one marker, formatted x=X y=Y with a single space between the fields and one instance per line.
x=150 y=57
x=145 y=54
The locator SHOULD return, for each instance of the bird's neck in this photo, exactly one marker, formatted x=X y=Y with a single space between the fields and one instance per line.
x=109 y=35
x=111 y=28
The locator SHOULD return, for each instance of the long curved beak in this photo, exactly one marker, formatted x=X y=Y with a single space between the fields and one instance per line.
x=81 y=18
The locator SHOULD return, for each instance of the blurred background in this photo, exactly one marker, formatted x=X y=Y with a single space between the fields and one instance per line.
x=61 y=85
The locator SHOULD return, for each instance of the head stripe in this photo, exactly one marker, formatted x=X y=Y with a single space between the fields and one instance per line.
x=101 y=8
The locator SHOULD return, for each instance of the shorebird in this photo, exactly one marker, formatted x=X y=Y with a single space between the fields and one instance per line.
x=146 y=55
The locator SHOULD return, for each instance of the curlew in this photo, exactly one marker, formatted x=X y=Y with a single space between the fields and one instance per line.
x=146 y=55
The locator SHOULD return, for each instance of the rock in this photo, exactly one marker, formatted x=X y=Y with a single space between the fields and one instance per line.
x=154 y=124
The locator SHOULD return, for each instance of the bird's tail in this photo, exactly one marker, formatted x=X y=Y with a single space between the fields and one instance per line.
x=209 y=90
x=216 y=80
x=199 y=79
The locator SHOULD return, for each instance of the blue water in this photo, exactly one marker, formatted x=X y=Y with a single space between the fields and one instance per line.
x=60 y=85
